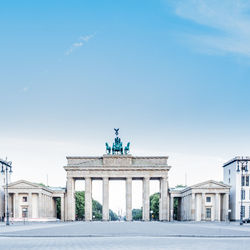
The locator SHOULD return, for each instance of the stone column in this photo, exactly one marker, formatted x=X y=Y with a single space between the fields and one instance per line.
x=71 y=199
x=225 y=206
x=30 y=205
x=62 y=209
x=88 y=199
x=45 y=206
x=172 y=208
x=128 y=199
x=160 y=201
x=193 y=210
x=203 y=211
x=105 y=199
x=39 y=207
x=217 y=207
x=145 y=200
x=16 y=205
x=164 y=207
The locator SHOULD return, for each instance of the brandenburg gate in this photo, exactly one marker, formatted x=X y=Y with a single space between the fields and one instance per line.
x=117 y=165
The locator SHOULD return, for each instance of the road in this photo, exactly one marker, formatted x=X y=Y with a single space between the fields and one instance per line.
x=122 y=235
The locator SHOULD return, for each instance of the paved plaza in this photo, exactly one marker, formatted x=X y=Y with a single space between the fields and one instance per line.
x=124 y=235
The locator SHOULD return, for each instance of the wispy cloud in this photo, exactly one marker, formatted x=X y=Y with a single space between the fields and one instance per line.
x=230 y=18
x=81 y=41
x=25 y=89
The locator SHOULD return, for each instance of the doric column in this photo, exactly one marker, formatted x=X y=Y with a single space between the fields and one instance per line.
x=164 y=207
x=217 y=207
x=30 y=205
x=193 y=210
x=39 y=207
x=105 y=199
x=225 y=206
x=62 y=209
x=145 y=200
x=203 y=212
x=16 y=205
x=45 y=206
x=71 y=199
x=172 y=208
x=88 y=199
x=128 y=199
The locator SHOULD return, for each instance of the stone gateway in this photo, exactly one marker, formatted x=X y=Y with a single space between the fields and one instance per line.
x=117 y=167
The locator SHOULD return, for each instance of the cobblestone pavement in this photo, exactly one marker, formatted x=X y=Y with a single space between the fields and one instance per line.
x=115 y=229
x=125 y=235
x=123 y=243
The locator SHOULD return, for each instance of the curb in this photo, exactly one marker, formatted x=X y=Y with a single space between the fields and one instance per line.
x=123 y=236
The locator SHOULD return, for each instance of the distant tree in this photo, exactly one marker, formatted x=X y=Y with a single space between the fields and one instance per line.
x=112 y=215
x=137 y=214
x=154 y=205
x=96 y=208
x=80 y=205
x=180 y=186
x=58 y=208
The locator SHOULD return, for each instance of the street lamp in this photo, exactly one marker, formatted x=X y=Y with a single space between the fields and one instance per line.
x=6 y=169
x=242 y=169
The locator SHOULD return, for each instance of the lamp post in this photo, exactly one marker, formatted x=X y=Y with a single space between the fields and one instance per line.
x=242 y=169
x=6 y=169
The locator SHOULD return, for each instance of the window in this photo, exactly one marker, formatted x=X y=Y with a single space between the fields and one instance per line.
x=243 y=181
x=24 y=198
x=247 y=180
x=243 y=194
x=228 y=180
x=243 y=211
x=208 y=213
x=208 y=199
x=229 y=171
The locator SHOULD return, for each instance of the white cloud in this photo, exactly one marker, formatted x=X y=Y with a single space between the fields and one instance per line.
x=229 y=19
x=25 y=89
x=76 y=45
x=86 y=38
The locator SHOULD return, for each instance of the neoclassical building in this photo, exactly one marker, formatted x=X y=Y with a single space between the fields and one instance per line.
x=34 y=202
x=117 y=167
x=206 y=201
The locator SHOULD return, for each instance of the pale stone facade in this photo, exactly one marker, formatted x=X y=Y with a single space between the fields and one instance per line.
x=33 y=202
x=233 y=177
x=113 y=167
x=206 y=201
x=1 y=197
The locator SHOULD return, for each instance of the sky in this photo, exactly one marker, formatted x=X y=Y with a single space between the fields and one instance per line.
x=172 y=75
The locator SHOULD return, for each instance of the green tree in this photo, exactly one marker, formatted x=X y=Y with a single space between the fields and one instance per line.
x=80 y=205
x=137 y=214
x=154 y=205
x=112 y=215
x=58 y=208
x=96 y=208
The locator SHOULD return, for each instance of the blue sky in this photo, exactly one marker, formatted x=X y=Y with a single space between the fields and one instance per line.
x=172 y=75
